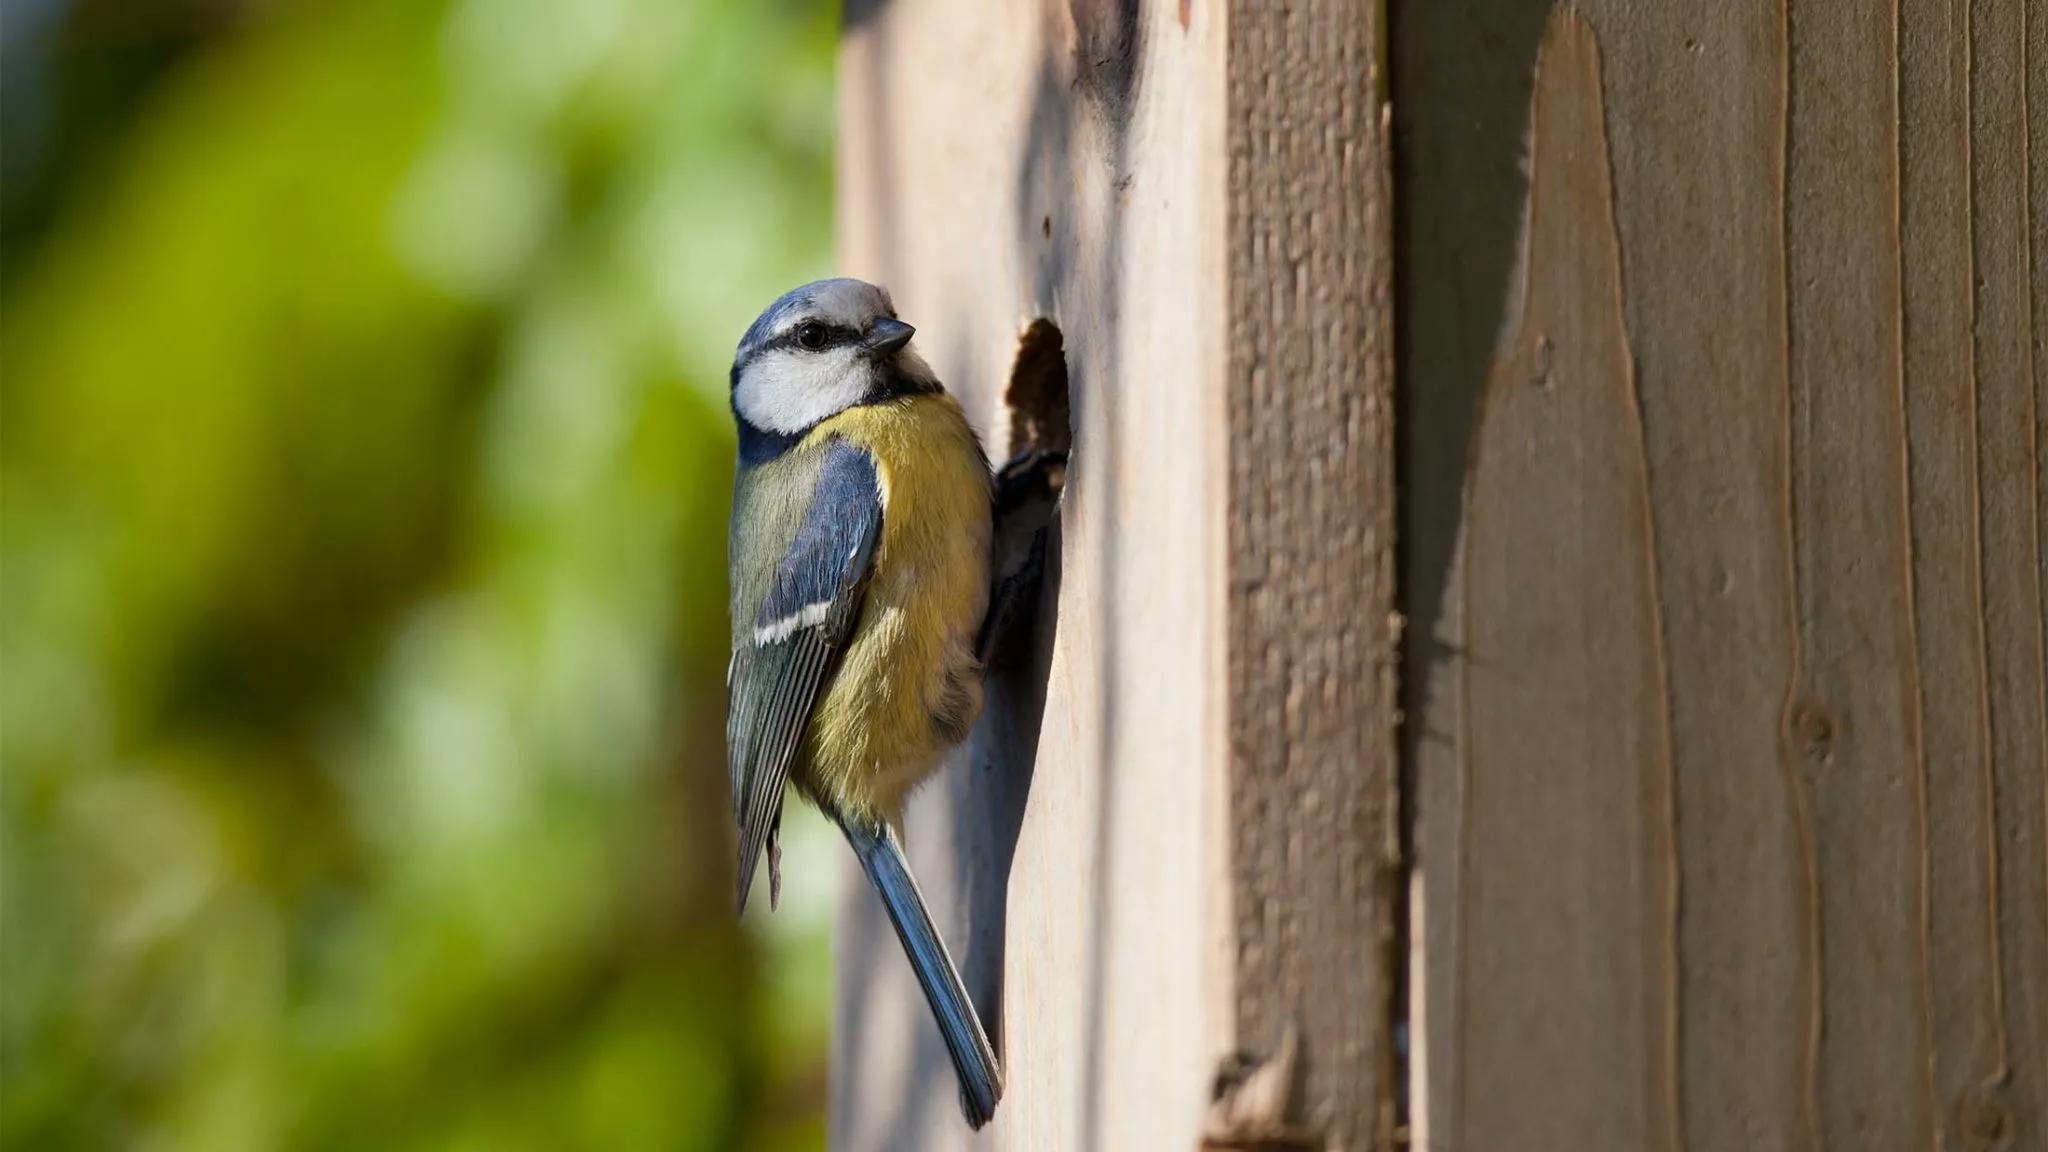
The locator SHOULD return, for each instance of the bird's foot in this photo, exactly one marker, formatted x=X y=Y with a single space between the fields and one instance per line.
x=1027 y=500
x=1034 y=473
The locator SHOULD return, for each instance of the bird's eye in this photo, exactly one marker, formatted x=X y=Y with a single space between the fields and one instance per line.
x=811 y=334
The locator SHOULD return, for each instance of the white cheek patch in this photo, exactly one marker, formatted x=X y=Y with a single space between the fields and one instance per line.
x=788 y=391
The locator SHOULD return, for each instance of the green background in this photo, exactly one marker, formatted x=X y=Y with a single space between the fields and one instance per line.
x=364 y=463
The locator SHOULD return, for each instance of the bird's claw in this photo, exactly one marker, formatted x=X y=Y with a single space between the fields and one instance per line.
x=1032 y=472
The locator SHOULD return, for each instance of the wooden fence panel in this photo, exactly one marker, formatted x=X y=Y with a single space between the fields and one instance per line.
x=1720 y=399
x=1729 y=757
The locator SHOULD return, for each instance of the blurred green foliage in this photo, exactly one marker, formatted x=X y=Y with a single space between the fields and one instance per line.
x=363 y=471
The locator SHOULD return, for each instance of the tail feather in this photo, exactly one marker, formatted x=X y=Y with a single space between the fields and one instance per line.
x=981 y=1077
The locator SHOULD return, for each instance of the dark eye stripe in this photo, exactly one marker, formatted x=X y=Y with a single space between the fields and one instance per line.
x=836 y=335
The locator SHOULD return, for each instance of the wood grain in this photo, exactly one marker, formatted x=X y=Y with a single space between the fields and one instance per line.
x=1849 y=728
x=1567 y=771
x=1829 y=292
x=2010 y=512
x=1314 y=857
x=1001 y=164
x=1961 y=862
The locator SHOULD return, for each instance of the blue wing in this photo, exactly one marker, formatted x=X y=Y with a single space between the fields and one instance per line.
x=780 y=669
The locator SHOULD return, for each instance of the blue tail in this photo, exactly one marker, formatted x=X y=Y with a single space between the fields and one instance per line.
x=981 y=1079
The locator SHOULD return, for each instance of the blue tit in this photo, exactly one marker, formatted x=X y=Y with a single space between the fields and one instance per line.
x=859 y=554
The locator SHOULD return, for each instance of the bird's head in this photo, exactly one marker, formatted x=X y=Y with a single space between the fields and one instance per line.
x=819 y=350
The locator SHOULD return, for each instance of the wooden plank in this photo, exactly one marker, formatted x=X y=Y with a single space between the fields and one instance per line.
x=1704 y=308
x=1850 y=722
x=1567 y=772
x=1314 y=856
x=2014 y=1103
x=1960 y=929
x=1001 y=163
x=1462 y=76
x=1701 y=215
x=1829 y=252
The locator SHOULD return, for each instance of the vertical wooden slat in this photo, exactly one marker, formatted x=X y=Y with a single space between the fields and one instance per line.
x=2009 y=535
x=1850 y=728
x=2034 y=78
x=1567 y=773
x=1002 y=163
x=1462 y=75
x=1699 y=173
x=1314 y=859
x=1961 y=913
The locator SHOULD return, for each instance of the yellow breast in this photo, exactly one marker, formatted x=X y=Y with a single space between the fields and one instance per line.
x=908 y=687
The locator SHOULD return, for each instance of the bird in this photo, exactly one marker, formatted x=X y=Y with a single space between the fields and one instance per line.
x=859 y=558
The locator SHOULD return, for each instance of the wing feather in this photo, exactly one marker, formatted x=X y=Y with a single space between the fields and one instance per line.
x=782 y=664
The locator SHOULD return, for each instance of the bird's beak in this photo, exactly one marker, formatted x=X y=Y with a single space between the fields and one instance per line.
x=887 y=336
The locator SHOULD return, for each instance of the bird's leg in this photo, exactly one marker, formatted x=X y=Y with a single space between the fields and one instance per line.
x=1011 y=593
x=1031 y=473
x=1027 y=495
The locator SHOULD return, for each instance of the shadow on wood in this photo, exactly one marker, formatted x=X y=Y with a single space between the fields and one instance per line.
x=989 y=803
x=1462 y=79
